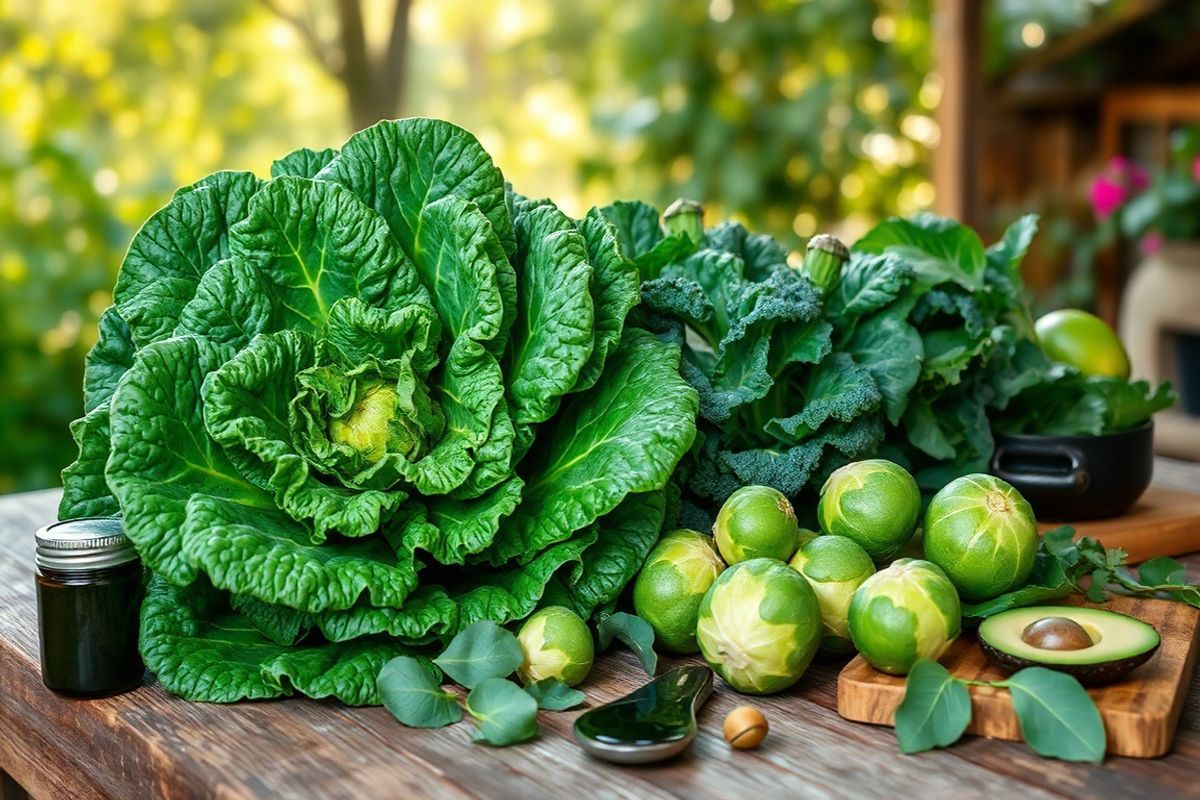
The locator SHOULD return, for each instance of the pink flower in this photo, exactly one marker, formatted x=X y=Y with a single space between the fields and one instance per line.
x=1196 y=169
x=1151 y=243
x=1106 y=196
x=1138 y=177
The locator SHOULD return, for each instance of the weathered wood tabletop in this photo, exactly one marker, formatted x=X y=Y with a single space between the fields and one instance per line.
x=148 y=744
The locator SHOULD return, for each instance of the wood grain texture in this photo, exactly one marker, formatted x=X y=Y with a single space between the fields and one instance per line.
x=147 y=744
x=1140 y=713
x=1164 y=522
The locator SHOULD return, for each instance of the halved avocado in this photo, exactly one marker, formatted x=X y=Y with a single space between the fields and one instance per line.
x=1094 y=645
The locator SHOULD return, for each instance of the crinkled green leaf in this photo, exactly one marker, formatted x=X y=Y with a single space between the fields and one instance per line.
x=552 y=336
x=624 y=436
x=427 y=614
x=174 y=248
x=314 y=243
x=233 y=304
x=109 y=359
x=465 y=527
x=624 y=539
x=761 y=254
x=505 y=713
x=266 y=554
x=85 y=490
x=938 y=249
x=614 y=292
x=282 y=625
x=398 y=168
x=868 y=283
x=302 y=163
x=413 y=693
x=510 y=594
x=162 y=455
x=637 y=226
x=838 y=389
x=247 y=402
x=481 y=651
x=201 y=651
x=891 y=350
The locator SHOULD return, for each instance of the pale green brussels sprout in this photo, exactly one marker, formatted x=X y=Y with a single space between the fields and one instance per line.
x=557 y=644
x=760 y=626
x=904 y=613
x=876 y=503
x=983 y=534
x=835 y=566
x=677 y=574
x=756 y=522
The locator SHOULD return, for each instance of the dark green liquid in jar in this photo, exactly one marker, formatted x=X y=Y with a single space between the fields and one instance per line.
x=88 y=614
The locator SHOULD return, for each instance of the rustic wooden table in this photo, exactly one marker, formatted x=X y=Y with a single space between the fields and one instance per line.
x=148 y=744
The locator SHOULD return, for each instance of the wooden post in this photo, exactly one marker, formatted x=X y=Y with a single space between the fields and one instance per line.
x=957 y=47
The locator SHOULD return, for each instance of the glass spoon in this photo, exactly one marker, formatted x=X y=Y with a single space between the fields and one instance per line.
x=655 y=722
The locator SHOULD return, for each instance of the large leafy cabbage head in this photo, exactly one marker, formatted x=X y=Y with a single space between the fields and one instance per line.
x=351 y=409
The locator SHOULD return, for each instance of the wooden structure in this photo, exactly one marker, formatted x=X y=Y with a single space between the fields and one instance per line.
x=147 y=744
x=1140 y=713
x=1032 y=137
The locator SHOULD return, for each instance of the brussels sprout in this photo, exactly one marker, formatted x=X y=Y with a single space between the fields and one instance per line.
x=760 y=625
x=983 y=534
x=677 y=574
x=557 y=644
x=756 y=522
x=904 y=613
x=835 y=566
x=876 y=503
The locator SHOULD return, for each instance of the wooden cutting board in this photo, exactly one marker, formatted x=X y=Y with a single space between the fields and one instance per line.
x=1164 y=522
x=1140 y=712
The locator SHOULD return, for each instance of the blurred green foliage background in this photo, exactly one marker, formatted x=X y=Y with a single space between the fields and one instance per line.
x=796 y=115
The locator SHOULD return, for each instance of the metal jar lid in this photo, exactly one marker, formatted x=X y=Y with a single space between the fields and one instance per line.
x=79 y=545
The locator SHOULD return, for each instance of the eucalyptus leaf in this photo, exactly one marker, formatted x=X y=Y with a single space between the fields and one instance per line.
x=411 y=689
x=935 y=711
x=552 y=694
x=483 y=650
x=1058 y=718
x=506 y=713
x=635 y=632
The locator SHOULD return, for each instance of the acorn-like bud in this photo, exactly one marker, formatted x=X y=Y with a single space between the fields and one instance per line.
x=685 y=217
x=745 y=728
x=823 y=260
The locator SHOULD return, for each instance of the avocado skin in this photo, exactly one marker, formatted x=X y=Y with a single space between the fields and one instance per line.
x=1087 y=674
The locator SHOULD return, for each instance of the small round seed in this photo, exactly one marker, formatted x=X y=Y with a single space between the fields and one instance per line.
x=745 y=728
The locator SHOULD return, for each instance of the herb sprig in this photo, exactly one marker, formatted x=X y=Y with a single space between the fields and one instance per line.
x=1066 y=565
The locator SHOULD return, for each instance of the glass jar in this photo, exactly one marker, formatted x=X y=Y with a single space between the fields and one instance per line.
x=89 y=594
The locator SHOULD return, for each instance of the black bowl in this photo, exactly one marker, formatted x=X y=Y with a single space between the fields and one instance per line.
x=1067 y=478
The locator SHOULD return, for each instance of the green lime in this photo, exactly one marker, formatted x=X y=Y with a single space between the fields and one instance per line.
x=983 y=534
x=835 y=567
x=760 y=625
x=904 y=613
x=673 y=581
x=1083 y=341
x=756 y=522
x=557 y=644
x=876 y=503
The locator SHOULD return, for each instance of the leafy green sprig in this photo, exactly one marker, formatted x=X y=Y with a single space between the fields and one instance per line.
x=1066 y=565
x=482 y=658
x=1057 y=716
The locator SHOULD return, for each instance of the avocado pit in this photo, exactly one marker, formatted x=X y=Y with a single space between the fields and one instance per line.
x=1056 y=633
